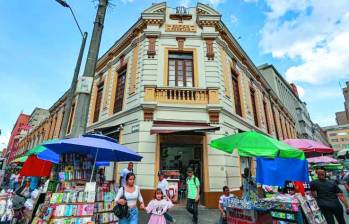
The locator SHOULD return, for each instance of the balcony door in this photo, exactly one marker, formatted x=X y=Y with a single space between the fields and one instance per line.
x=180 y=70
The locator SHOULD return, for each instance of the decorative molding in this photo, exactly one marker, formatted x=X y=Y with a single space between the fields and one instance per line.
x=148 y=114
x=180 y=42
x=214 y=117
x=151 y=46
x=209 y=48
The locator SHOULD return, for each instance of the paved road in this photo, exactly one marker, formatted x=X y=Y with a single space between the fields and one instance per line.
x=209 y=216
x=206 y=216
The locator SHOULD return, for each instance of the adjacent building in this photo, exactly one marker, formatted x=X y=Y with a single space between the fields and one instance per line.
x=19 y=130
x=46 y=124
x=338 y=136
x=173 y=82
x=342 y=117
x=288 y=95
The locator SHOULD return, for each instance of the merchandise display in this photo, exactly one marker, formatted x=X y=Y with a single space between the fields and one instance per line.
x=74 y=201
x=74 y=167
x=103 y=210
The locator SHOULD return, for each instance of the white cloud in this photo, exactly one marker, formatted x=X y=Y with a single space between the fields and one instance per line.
x=316 y=33
x=233 y=19
x=185 y=3
x=251 y=1
x=300 y=90
x=4 y=138
x=216 y=2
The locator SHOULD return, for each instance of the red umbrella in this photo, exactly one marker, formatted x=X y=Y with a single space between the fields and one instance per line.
x=36 y=167
x=308 y=145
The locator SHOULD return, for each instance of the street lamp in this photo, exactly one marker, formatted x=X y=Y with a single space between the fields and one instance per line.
x=71 y=91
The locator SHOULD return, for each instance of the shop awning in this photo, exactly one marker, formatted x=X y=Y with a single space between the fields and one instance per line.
x=167 y=127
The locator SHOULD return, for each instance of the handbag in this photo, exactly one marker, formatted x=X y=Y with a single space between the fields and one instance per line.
x=121 y=211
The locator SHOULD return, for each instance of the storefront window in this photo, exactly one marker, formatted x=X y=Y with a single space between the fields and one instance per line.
x=180 y=70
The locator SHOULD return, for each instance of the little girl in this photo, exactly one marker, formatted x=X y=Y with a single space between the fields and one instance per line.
x=157 y=208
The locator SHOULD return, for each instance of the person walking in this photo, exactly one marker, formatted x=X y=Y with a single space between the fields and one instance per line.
x=130 y=194
x=158 y=208
x=123 y=174
x=163 y=186
x=193 y=197
x=223 y=203
x=327 y=193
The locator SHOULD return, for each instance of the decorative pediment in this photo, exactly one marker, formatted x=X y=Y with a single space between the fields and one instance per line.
x=156 y=8
x=207 y=16
x=203 y=9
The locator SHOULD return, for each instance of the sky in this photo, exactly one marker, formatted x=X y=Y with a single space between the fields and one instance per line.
x=306 y=40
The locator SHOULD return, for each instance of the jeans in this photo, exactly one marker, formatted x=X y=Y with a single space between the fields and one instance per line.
x=133 y=219
x=329 y=214
x=168 y=217
x=192 y=208
x=222 y=221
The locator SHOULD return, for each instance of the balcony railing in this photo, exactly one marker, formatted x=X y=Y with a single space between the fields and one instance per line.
x=175 y=95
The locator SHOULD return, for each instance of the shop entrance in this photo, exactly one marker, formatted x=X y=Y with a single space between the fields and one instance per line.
x=177 y=153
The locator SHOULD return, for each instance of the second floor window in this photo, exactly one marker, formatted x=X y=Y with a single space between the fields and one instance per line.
x=254 y=107
x=275 y=124
x=120 y=90
x=266 y=114
x=236 y=94
x=180 y=70
x=98 y=102
x=71 y=116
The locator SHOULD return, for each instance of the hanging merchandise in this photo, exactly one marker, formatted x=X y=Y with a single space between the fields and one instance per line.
x=6 y=208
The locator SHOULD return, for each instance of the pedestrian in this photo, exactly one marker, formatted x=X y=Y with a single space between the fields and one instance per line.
x=124 y=172
x=327 y=194
x=249 y=186
x=193 y=197
x=158 y=208
x=163 y=186
x=130 y=194
x=223 y=203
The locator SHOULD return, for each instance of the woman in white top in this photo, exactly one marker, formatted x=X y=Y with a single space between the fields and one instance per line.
x=132 y=194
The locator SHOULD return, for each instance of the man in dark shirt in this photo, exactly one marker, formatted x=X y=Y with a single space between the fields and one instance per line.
x=327 y=194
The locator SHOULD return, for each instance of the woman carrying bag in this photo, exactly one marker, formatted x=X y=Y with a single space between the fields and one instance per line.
x=128 y=196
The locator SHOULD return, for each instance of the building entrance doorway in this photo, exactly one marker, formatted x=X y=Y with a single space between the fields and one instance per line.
x=175 y=158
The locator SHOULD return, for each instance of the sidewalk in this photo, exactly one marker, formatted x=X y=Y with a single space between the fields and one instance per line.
x=206 y=216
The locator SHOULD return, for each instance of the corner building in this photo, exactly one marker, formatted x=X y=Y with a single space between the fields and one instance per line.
x=173 y=82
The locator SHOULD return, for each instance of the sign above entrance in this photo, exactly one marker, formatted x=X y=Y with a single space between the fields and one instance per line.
x=180 y=28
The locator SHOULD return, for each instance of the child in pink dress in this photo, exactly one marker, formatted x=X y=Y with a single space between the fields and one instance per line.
x=157 y=208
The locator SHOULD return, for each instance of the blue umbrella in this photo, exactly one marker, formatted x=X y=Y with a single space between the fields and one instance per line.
x=101 y=147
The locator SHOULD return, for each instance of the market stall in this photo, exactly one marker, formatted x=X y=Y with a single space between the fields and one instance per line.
x=279 y=207
x=80 y=199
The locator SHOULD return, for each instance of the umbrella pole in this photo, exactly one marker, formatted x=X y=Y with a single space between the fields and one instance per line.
x=94 y=165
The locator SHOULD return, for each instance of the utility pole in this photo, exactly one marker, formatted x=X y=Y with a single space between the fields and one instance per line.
x=84 y=96
x=71 y=91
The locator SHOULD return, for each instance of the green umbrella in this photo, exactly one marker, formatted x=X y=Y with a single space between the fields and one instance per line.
x=21 y=159
x=329 y=166
x=39 y=148
x=253 y=144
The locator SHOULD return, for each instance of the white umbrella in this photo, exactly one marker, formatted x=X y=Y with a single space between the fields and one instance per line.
x=343 y=152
